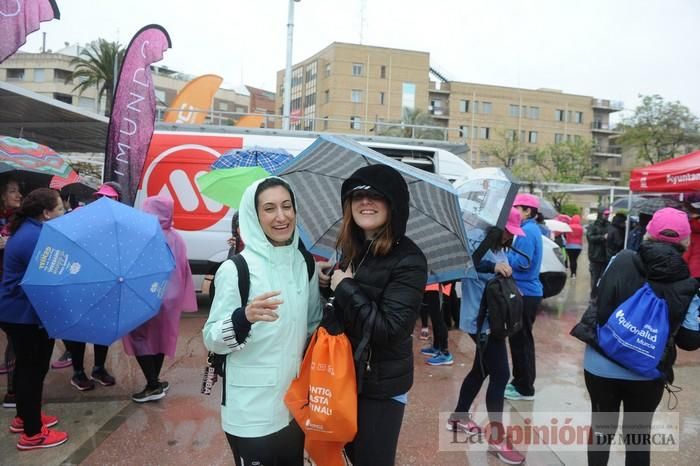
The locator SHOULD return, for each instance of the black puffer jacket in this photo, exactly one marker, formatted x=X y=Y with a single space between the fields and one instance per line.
x=662 y=265
x=392 y=287
x=595 y=235
x=616 y=235
x=384 y=296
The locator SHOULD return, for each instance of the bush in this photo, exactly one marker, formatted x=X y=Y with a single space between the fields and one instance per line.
x=570 y=209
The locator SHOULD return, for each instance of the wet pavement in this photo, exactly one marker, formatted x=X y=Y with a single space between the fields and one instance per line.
x=107 y=428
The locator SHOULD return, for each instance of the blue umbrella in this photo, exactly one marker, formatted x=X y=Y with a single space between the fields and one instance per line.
x=269 y=159
x=98 y=272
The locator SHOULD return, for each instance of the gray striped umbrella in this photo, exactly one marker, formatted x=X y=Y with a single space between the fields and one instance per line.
x=434 y=223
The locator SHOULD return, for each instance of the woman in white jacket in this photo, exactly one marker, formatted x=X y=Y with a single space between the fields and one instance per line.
x=264 y=341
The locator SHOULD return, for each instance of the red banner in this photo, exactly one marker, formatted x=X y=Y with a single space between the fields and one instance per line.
x=134 y=111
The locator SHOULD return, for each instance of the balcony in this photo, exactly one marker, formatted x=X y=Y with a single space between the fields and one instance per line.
x=609 y=105
x=602 y=127
x=612 y=152
x=439 y=111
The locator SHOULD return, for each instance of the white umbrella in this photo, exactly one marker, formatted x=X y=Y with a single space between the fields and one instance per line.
x=556 y=226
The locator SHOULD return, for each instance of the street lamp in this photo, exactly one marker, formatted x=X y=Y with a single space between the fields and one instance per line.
x=288 y=70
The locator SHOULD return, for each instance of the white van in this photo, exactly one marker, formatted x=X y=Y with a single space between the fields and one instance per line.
x=179 y=154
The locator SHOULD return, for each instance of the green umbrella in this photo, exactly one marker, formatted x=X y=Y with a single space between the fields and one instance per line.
x=226 y=185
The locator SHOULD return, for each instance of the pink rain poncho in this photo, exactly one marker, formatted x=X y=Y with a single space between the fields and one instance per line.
x=159 y=335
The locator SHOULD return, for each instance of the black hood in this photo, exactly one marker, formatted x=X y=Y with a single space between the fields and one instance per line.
x=663 y=261
x=390 y=184
x=619 y=220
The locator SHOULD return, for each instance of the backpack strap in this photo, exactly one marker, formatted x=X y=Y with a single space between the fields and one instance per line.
x=243 y=278
x=309 y=259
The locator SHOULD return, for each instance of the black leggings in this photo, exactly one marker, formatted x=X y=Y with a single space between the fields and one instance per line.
x=573 y=254
x=431 y=300
x=77 y=354
x=151 y=365
x=522 y=349
x=639 y=401
x=10 y=365
x=495 y=364
x=378 y=428
x=283 y=448
x=33 y=349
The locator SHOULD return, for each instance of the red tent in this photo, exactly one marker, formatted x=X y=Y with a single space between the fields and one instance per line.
x=681 y=174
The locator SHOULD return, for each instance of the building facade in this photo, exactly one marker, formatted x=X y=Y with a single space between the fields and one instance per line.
x=46 y=74
x=362 y=89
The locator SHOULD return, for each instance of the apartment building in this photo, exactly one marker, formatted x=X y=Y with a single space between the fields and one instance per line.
x=363 y=89
x=46 y=73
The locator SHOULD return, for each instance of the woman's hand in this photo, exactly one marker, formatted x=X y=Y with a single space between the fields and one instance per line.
x=340 y=275
x=504 y=269
x=324 y=279
x=263 y=308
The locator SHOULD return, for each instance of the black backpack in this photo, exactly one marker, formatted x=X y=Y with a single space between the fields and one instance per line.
x=218 y=361
x=502 y=304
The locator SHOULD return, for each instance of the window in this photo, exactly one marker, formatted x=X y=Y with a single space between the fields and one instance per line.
x=61 y=75
x=381 y=98
x=483 y=158
x=354 y=122
x=326 y=96
x=356 y=95
x=39 y=75
x=310 y=100
x=568 y=138
x=223 y=106
x=510 y=134
x=571 y=116
x=15 y=73
x=357 y=69
x=408 y=96
x=534 y=113
x=485 y=107
x=579 y=117
x=523 y=134
x=65 y=98
x=464 y=106
x=558 y=138
x=577 y=138
x=463 y=131
x=514 y=110
x=86 y=102
x=328 y=70
x=532 y=139
x=160 y=95
x=325 y=122
x=559 y=115
x=476 y=106
x=484 y=133
x=382 y=72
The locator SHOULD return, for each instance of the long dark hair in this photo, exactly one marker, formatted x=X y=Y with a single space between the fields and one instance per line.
x=34 y=205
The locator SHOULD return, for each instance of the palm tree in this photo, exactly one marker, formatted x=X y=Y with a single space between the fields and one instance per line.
x=413 y=125
x=95 y=67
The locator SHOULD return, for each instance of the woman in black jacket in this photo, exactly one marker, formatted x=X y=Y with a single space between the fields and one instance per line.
x=378 y=293
x=659 y=262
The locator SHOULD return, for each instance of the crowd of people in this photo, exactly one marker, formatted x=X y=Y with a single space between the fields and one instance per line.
x=29 y=347
x=375 y=291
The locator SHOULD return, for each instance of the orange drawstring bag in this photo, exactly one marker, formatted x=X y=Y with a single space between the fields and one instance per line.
x=323 y=398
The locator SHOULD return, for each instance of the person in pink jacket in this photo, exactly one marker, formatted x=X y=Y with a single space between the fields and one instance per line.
x=574 y=243
x=156 y=338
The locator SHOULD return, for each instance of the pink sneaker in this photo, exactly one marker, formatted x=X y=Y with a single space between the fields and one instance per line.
x=462 y=422
x=62 y=362
x=505 y=452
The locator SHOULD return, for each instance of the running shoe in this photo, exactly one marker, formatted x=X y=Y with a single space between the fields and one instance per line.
x=82 y=382
x=443 y=358
x=46 y=438
x=149 y=394
x=101 y=376
x=17 y=424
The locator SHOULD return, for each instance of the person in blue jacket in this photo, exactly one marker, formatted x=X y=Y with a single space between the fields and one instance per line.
x=19 y=320
x=525 y=258
x=264 y=341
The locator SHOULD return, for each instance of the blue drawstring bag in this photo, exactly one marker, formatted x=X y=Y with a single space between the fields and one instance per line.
x=636 y=333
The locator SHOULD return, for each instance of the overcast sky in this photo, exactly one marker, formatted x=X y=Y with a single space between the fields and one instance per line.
x=613 y=49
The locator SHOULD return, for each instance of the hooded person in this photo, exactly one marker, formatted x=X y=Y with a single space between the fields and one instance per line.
x=596 y=235
x=659 y=263
x=616 y=235
x=378 y=291
x=574 y=243
x=264 y=341
x=157 y=338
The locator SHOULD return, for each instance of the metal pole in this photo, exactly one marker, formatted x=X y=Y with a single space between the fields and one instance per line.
x=288 y=70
